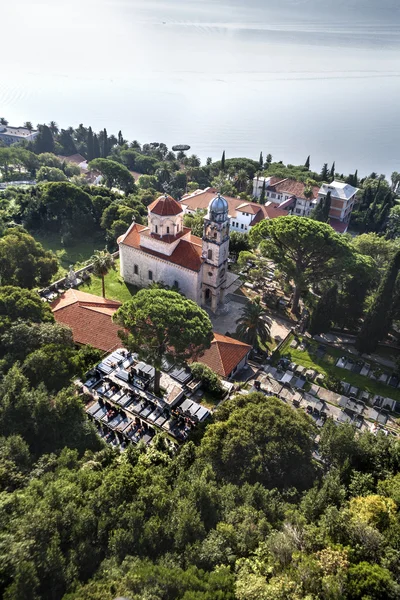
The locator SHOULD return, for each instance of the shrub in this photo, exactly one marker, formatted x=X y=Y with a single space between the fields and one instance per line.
x=210 y=380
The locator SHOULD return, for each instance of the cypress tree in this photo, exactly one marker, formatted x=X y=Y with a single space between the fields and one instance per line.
x=324 y=172
x=96 y=147
x=307 y=163
x=262 y=197
x=105 y=143
x=324 y=313
x=223 y=161
x=326 y=207
x=89 y=150
x=44 y=141
x=120 y=138
x=332 y=171
x=378 y=319
x=356 y=178
x=318 y=212
x=261 y=160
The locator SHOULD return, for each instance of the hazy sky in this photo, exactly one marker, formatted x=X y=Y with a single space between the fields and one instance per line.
x=291 y=76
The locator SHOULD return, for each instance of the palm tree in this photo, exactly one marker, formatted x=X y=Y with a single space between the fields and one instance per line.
x=252 y=327
x=102 y=262
x=241 y=179
x=163 y=173
x=3 y=121
x=53 y=127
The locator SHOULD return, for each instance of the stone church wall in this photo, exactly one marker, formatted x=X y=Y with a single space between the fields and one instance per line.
x=189 y=281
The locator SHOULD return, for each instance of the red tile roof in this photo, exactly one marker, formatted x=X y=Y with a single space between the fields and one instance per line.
x=224 y=354
x=201 y=200
x=187 y=253
x=165 y=206
x=89 y=317
x=76 y=159
x=292 y=187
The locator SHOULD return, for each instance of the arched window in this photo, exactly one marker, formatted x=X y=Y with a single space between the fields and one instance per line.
x=209 y=255
x=151 y=275
x=156 y=228
x=167 y=229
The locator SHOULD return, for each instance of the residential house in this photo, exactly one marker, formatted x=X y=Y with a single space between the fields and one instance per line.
x=343 y=198
x=289 y=195
x=243 y=215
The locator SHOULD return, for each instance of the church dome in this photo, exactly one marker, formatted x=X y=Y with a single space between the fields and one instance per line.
x=218 y=205
x=165 y=206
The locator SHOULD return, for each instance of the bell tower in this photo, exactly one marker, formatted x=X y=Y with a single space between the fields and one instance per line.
x=215 y=253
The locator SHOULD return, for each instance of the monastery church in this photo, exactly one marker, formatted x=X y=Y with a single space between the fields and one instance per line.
x=166 y=251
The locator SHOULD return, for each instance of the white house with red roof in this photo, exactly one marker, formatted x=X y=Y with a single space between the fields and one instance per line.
x=243 y=215
x=166 y=251
x=288 y=194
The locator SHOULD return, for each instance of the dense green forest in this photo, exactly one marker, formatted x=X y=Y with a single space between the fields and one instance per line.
x=249 y=508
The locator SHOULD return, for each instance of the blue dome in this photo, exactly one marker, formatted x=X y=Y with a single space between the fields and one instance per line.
x=218 y=205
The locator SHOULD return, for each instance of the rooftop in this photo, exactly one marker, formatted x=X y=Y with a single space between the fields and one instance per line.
x=165 y=206
x=338 y=189
x=200 y=199
x=292 y=187
x=187 y=253
x=224 y=354
x=89 y=317
x=16 y=131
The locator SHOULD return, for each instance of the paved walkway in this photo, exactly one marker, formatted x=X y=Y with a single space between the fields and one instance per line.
x=226 y=321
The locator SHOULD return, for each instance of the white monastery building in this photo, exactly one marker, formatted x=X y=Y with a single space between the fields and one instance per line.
x=166 y=251
x=11 y=135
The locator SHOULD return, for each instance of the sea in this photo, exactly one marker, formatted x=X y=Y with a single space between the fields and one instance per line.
x=287 y=77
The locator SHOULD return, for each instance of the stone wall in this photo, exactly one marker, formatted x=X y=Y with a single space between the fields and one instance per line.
x=189 y=282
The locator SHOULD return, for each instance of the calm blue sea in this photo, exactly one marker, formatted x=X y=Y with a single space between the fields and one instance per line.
x=289 y=77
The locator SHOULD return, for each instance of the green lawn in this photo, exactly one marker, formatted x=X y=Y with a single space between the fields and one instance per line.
x=79 y=253
x=326 y=366
x=116 y=288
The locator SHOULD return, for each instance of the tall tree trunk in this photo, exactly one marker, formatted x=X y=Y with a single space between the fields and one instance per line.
x=103 y=286
x=296 y=299
x=157 y=377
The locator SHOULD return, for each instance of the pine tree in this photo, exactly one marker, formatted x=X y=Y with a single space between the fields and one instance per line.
x=332 y=172
x=96 y=146
x=324 y=313
x=378 y=319
x=223 y=161
x=307 y=163
x=262 y=197
x=324 y=172
x=261 y=160
x=269 y=159
x=89 y=151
